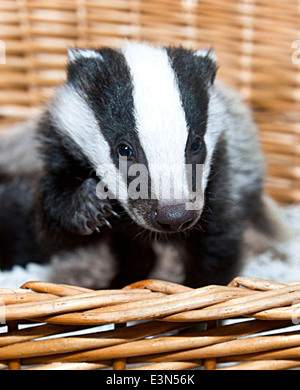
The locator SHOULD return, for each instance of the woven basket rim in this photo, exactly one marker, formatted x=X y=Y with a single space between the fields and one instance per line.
x=156 y=308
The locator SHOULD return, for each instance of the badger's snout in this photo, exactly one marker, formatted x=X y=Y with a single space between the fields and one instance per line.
x=173 y=218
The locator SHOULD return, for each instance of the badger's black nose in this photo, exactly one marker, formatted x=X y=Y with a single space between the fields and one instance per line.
x=173 y=218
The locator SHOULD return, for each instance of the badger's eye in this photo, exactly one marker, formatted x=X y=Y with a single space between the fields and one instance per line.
x=196 y=144
x=124 y=150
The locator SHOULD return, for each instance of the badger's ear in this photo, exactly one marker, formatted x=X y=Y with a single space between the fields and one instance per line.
x=76 y=54
x=207 y=53
x=207 y=61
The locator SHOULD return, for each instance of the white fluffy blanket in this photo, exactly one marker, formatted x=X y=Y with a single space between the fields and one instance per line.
x=280 y=264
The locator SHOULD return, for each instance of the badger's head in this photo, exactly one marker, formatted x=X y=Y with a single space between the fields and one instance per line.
x=139 y=115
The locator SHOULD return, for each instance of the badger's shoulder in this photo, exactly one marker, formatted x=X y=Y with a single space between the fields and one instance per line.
x=239 y=130
x=233 y=101
x=237 y=164
x=19 y=153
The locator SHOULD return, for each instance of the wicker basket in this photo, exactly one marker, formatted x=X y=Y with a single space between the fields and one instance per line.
x=257 y=44
x=158 y=309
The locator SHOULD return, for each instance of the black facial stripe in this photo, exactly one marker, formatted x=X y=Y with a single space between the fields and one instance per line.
x=194 y=75
x=106 y=84
x=193 y=79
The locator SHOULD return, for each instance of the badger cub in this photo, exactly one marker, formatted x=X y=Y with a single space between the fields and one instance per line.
x=130 y=123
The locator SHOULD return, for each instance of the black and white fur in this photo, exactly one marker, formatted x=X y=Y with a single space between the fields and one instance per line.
x=20 y=168
x=157 y=102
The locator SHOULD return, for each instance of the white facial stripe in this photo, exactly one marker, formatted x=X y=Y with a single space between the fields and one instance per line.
x=76 y=119
x=159 y=114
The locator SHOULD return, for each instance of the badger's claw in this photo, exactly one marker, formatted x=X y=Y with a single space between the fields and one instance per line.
x=90 y=212
x=112 y=212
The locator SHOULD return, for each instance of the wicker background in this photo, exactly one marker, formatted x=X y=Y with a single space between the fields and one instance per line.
x=255 y=41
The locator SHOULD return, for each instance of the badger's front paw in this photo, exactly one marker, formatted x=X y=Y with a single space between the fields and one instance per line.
x=89 y=212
